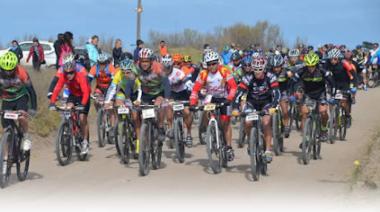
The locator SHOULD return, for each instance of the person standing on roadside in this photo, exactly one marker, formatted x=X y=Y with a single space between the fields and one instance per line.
x=117 y=53
x=66 y=47
x=93 y=50
x=139 y=46
x=36 y=52
x=15 y=48
x=163 y=48
x=57 y=48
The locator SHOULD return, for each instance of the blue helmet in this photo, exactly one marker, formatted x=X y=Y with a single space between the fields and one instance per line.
x=247 y=60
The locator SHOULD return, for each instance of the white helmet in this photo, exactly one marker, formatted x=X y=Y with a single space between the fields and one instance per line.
x=334 y=53
x=68 y=61
x=167 y=60
x=146 y=53
x=103 y=58
x=211 y=56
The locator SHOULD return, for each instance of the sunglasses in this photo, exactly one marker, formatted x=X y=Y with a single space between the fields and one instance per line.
x=247 y=65
x=69 y=72
x=212 y=64
x=258 y=70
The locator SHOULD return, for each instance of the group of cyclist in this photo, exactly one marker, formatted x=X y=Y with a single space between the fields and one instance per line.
x=250 y=79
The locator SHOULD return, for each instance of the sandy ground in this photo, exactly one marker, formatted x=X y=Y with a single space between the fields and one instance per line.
x=103 y=183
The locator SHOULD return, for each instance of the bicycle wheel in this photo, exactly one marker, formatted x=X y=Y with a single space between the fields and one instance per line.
x=144 y=152
x=6 y=157
x=22 y=162
x=242 y=136
x=332 y=126
x=276 y=134
x=109 y=129
x=178 y=140
x=291 y=116
x=306 y=141
x=123 y=143
x=297 y=117
x=342 y=124
x=213 y=152
x=64 y=144
x=201 y=131
x=81 y=157
x=254 y=154
x=101 y=128
x=156 y=150
x=316 y=142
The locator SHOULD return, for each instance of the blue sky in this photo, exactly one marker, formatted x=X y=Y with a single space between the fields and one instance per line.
x=319 y=21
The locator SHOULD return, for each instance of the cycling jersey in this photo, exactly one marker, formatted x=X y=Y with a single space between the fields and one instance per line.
x=119 y=87
x=79 y=87
x=260 y=91
x=103 y=77
x=220 y=84
x=154 y=82
x=238 y=74
x=177 y=80
x=314 y=83
x=341 y=73
x=16 y=86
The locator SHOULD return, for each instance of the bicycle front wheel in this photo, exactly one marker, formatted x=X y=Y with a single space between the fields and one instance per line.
x=6 y=157
x=144 y=152
x=242 y=135
x=276 y=134
x=178 y=140
x=101 y=128
x=254 y=154
x=22 y=163
x=64 y=144
x=213 y=152
x=306 y=141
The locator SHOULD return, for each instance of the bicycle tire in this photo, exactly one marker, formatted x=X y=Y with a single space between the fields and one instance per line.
x=306 y=141
x=5 y=168
x=156 y=150
x=211 y=140
x=144 y=152
x=332 y=126
x=254 y=154
x=101 y=129
x=242 y=136
x=64 y=144
x=178 y=140
x=124 y=144
x=276 y=134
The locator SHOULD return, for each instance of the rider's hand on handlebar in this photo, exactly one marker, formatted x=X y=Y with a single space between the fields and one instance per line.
x=52 y=107
x=235 y=112
x=79 y=107
x=272 y=111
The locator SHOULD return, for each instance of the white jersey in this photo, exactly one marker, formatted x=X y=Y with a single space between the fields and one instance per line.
x=176 y=80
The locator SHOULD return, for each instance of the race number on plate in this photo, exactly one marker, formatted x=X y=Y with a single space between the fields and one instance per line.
x=148 y=113
x=338 y=96
x=11 y=116
x=209 y=107
x=123 y=110
x=178 y=107
x=252 y=117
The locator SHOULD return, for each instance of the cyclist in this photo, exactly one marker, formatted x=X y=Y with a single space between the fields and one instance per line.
x=155 y=86
x=263 y=94
x=179 y=92
x=343 y=72
x=283 y=76
x=17 y=92
x=314 y=80
x=235 y=61
x=245 y=68
x=190 y=69
x=220 y=84
x=79 y=89
x=117 y=92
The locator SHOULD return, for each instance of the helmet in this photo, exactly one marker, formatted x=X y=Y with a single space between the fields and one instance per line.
x=8 y=61
x=146 y=53
x=256 y=54
x=259 y=63
x=187 y=59
x=226 y=47
x=211 y=56
x=177 y=58
x=294 y=53
x=247 y=60
x=167 y=60
x=334 y=53
x=126 y=64
x=276 y=60
x=236 y=56
x=68 y=62
x=311 y=59
x=103 y=58
x=284 y=50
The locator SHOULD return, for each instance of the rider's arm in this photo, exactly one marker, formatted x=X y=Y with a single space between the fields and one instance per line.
x=58 y=88
x=53 y=83
x=232 y=87
x=85 y=87
x=167 y=91
x=92 y=73
x=196 y=88
x=242 y=88
x=111 y=92
x=31 y=91
x=276 y=94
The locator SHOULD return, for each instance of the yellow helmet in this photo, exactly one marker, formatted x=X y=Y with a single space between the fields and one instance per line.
x=8 y=61
x=311 y=59
x=187 y=58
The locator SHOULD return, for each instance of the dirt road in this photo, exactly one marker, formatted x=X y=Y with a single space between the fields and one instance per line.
x=103 y=183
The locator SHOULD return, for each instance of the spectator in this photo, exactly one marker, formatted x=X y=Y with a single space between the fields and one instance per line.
x=15 y=48
x=117 y=53
x=226 y=55
x=37 y=54
x=139 y=46
x=66 y=47
x=57 y=48
x=92 y=50
x=163 y=49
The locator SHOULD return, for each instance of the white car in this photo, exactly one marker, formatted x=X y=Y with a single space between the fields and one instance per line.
x=49 y=52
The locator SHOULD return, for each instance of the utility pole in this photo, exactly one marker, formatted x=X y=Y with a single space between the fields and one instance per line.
x=139 y=10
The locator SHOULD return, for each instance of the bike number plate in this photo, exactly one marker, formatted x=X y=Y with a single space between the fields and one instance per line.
x=123 y=110
x=339 y=96
x=178 y=107
x=148 y=113
x=209 y=107
x=252 y=117
x=11 y=116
